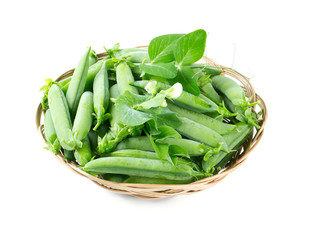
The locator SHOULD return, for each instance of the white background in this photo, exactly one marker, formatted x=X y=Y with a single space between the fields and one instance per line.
x=269 y=197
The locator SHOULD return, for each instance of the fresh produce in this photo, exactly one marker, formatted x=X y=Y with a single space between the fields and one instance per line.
x=148 y=116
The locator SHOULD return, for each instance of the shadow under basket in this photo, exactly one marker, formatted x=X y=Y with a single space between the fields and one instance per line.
x=155 y=191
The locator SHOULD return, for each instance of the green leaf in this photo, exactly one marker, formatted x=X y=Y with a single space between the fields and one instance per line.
x=178 y=151
x=160 y=49
x=166 y=132
x=190 y=48
x=160 y=149
x=157 y=101
x=125 y=112
x=165 y=70
x=163 y=116
x=188 y=80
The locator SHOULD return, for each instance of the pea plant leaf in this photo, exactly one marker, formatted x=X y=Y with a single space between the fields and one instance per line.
x=126 y=114
x=161 y=149
x=162 y=116
x=160 y=49
x=190 y=48
x=133 y=110
x=165 y=70
x=188 y=79
x=178 y=151
x=166 y=132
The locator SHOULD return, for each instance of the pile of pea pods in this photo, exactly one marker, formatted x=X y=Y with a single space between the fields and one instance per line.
x=153 y=116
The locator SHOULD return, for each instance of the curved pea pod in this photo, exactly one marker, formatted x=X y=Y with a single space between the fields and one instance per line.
x=199 y=132
x=143 y=167
x=84 y=118
x=50 y=133
x=234 y=139
x=101 y=95
x=84 y=154
x=217 y=126
x=146 y=180
x=77 y=84
x=229 y=88
x=61 y=117
x=124 y=78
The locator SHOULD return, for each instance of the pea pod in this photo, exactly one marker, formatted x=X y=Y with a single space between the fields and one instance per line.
x=84 y=154
x=209 y=91
x=101 y=95
x=84 y=118
x=199 y=132
x=124 y=78
x=234 y=140
x=143 y=167
x=237 y=101
x=146 y=180
x=143 y=143
x=92 y=59
x=68 y=155
x=50 y=133
x=119 y=178
x=61 y=117
x=135 y=55
x=217 y=126
x=209 y=70
x=133 y=153
x=229 y=88
x=92 y=72
x=77 y=84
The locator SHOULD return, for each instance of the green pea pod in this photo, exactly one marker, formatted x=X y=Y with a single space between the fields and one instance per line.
x=50 y=133
x=92 y=72
x=132 y=153
x=93 y=140
x=119 y=178
x=211 y=93
x=209 y=70
x=217 y=126
x=146 y=180
x=84 y=154
x=77 y=84
x=229 y=88
x=198 y=132
x=68 y=155
x=61 y=117
x=101 y=95
x=84 y=118
x=143 y=167
x=143 y=143
x=92 y=58
x=124 y=78
x=234 y=139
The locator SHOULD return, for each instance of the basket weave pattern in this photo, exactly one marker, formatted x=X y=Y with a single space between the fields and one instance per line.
x=154 y=191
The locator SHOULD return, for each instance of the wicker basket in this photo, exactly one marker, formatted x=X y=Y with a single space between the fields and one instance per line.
x=154 y=191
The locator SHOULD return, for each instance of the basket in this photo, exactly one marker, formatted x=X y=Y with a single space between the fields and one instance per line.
x=155 y=191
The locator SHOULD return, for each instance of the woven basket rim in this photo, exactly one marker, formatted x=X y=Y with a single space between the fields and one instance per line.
x=152 y=191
